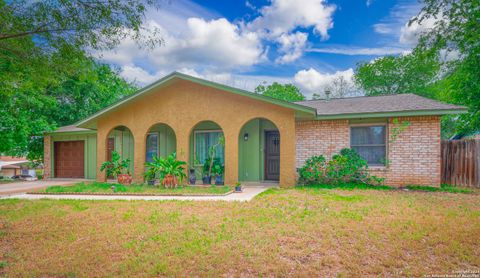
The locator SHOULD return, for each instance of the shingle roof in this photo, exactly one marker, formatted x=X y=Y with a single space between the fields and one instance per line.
x=378 y=104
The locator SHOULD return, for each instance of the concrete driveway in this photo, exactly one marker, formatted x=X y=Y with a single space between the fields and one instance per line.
x=25 y=186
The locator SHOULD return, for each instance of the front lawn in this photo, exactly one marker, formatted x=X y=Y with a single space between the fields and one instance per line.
x=303 y=232
x=102 y=187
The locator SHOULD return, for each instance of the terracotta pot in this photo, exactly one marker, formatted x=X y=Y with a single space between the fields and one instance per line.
x=124 y=179
x=169 y=181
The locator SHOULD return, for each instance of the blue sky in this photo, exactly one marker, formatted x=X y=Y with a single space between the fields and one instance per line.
x=243 y=43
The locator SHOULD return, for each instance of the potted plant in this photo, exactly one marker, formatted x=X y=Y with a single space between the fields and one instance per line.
x=192 y=177
x=211 y=161
x=217 y=171
x=206 y=174
x=153 y=168
x=238 y=187
x=118 y=168
x=172 y=171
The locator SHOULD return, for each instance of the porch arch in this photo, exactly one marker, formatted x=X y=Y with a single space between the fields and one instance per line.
x=203 y=135
x=160 y=140
x=120 y=139
x=256 y=163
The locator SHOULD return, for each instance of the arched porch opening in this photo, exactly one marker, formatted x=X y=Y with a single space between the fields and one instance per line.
x=259 y=151
x=160 y=141
x=204 y=136
x=120 y=139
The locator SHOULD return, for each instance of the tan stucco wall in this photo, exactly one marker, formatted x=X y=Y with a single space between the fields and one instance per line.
x=182 y=105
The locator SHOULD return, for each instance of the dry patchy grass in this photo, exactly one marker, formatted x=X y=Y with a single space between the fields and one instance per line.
x=295 y=232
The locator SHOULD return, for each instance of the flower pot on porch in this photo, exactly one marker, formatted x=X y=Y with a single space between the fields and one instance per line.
x=124 y=179
x=238 y=188
x=192 y=178
x=207 y=180
x=151 y=182
x=219 y=180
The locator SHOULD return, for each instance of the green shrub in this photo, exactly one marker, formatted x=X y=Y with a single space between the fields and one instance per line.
x=345 y=167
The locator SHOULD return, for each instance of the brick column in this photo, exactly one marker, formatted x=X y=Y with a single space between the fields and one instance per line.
x=47 y=157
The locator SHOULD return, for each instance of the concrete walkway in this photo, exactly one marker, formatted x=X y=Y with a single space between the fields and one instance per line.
x=247 y=195
x=25 y=186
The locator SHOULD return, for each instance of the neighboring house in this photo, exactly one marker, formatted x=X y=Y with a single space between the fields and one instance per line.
x=265 y=139
x=11 y=166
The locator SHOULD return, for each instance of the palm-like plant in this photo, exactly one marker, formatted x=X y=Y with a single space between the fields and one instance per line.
x=116 y=166
x=170 y=170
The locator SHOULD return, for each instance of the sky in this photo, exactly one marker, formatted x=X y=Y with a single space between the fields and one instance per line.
x=245 y=43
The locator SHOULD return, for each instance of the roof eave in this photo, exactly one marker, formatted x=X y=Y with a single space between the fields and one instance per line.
x=438 y=112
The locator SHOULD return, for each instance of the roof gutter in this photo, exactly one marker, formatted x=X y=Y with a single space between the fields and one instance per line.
x=392 y=114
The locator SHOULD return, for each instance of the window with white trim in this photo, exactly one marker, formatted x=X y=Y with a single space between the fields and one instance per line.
x=370 y=143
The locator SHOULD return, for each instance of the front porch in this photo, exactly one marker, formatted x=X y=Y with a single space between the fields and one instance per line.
x=257 y=144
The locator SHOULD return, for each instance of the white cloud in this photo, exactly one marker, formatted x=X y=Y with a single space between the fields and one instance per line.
x=283 y=16
x=292 y=46
x=312 y=81
x=138 y=75
x=410 y=33
x=353 y=50
x=206 y=43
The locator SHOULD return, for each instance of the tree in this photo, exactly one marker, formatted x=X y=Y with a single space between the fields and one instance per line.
x=427 y=72
x=412 y=73
x=457 y=32
x=287 y=92
x=339 y=87
x=47 y=78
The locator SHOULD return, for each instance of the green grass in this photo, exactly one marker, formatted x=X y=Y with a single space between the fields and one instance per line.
x=295 y=232
x=443 y=188
x=99 y=187
x=346 y=186
x=356 y=186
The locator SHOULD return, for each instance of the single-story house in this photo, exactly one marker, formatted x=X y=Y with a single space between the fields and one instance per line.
x=11 y=166
x=265 y=139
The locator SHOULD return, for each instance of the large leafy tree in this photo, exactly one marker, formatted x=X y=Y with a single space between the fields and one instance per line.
x=444 y=65
x=287 y=92
x=413 y=73
x=47 y=77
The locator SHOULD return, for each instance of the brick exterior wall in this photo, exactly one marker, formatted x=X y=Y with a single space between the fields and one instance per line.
x=47 y=156
x=414 y=157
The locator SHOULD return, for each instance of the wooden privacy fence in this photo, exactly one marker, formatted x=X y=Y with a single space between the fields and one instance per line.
x=461 y=162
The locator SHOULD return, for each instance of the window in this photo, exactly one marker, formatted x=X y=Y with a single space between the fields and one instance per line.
x=203 y=141
x=369 y=142
x=152 y=146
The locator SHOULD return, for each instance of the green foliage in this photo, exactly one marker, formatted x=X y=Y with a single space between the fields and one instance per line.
x=212 y=161
x=171 y=166
x=397 y=128
x=413 y=73
x=427 y=71
x=345 y=167
x=117 y=166
x=314 y=170
x=287 y=92
x=46 y=77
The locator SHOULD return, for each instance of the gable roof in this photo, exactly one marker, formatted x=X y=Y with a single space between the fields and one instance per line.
x=300 y=110
x=380 y=106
